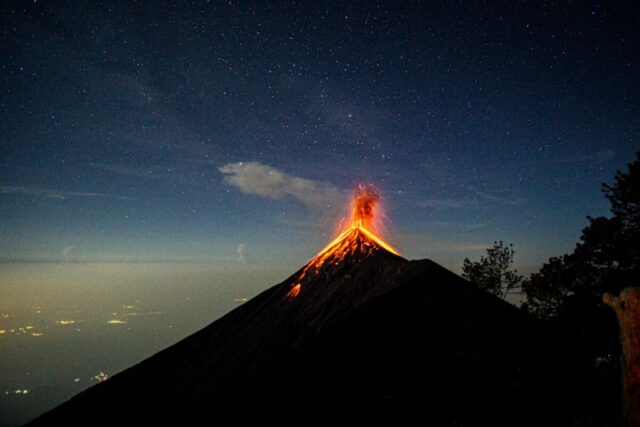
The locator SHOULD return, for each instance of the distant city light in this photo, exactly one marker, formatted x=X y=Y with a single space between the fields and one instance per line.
x=100 y=377
x=66 y=322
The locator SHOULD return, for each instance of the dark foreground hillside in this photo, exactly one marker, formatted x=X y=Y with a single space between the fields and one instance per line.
x=369 y=338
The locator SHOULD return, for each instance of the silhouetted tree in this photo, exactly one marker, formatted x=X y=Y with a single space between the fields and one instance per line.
x=606 y=259
x=569 y=291
x=493 y=273
x=549 y=288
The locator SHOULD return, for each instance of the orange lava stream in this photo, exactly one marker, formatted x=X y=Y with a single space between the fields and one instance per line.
x=294 y=291
x=364 y=204
x=337 y=250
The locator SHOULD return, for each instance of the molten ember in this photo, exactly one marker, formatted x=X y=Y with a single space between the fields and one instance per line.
x=365 y=201
x=357 y=237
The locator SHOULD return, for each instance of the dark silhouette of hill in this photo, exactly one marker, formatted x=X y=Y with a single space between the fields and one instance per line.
x=359 y=335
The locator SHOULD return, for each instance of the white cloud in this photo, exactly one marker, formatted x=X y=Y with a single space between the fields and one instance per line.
x=241 y=254
x=265 y=181
x=461 y=226
x=124 y=170
x=595 y=158
x=67 y=254
x=52 y=194
x=447 y=203
x=498 y=196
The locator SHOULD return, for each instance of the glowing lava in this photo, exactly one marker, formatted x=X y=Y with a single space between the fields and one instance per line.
x=356 y=238
x=364 y=203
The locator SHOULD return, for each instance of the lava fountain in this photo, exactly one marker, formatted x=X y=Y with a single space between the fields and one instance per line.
x=359 y=235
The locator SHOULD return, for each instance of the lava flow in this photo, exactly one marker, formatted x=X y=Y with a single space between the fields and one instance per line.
x=356 y=238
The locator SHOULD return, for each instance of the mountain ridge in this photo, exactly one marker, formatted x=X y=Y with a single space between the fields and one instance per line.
x=369 y=336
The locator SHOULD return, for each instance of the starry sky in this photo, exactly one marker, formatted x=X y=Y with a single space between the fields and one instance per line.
x=229 y=133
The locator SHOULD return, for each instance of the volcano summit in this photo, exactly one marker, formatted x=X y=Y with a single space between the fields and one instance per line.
x=358 y=335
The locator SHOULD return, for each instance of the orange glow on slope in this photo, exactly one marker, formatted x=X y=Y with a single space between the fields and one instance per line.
x=356 y=237
x=379 y=241
x=294 y=291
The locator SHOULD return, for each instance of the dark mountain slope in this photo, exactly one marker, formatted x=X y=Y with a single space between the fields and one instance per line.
x=366 y=337
x=434 y=351
x=257 y=334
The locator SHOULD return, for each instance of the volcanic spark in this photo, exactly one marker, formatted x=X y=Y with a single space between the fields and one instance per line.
x=365 y=201
x=356 y=237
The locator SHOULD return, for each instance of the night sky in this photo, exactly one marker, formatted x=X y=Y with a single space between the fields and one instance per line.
x=228 y=133
x=161 y=164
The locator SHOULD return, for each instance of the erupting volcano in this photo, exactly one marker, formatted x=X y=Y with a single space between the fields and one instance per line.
x=359 y=335
x=355 y=240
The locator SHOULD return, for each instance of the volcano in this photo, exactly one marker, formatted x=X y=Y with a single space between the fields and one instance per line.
x=358 y=335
